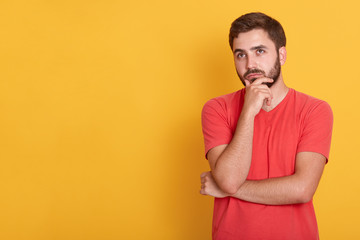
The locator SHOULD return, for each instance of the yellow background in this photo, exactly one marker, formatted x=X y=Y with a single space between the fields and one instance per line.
x=100 y=101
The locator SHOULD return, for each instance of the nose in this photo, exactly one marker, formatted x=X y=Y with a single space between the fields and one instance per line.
x=251 y=62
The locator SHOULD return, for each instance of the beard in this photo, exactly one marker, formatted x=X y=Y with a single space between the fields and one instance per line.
x=273 y=74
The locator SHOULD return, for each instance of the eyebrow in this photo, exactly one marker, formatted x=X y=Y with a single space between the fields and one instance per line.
x=252 y=49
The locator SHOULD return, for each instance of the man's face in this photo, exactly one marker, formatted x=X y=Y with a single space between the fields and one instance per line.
x=255 y=56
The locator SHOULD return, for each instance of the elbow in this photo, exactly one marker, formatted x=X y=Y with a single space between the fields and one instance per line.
x=304 y=194
x=228 y=183
x=229 y=190
x=230 y=187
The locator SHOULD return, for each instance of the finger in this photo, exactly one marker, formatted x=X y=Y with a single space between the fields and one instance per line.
x=261 y=90
x=247 y=83
x=266 y=96
x=262 y=80
x=269 y=98
x=268 y=101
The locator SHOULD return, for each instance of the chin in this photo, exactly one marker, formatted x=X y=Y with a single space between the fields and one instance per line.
x=269 y=84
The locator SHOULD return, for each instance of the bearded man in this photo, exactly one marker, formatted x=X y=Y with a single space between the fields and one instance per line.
x=266 y=144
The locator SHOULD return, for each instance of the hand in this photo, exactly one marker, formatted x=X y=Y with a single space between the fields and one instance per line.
x=257 y=94
x=209 y=186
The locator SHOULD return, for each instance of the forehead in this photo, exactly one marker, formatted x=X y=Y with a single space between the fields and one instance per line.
x=250 y=39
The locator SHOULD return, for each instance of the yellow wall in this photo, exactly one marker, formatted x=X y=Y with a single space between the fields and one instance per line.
x=100 y=101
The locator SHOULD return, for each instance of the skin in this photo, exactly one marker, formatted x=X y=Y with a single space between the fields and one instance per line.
x=255 y=56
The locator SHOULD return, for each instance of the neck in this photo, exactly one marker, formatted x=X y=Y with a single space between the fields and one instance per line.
x=279 y=91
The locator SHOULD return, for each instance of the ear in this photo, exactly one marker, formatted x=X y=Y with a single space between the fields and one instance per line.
x=282 y=55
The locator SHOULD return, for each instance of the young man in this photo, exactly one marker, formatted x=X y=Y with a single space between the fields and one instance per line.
x=266 y=144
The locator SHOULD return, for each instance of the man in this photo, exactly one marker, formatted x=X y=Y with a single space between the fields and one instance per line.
x=266 y=144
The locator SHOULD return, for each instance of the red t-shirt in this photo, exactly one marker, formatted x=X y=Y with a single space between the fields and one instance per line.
x=299 y=123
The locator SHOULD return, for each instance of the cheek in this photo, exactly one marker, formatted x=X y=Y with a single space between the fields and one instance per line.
x=268 y=65
x=239 y=66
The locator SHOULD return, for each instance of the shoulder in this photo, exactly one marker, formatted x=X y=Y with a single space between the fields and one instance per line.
x=311 y=110
x=308 y=104
x=224 y=102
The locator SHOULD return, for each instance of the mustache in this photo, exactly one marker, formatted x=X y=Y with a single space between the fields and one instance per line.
x=254 y=70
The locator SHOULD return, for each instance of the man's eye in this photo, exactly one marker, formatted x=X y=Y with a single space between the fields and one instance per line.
x=241 y=55
x=260 y=51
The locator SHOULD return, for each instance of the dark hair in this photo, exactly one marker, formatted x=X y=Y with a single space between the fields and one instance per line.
x=258 y=20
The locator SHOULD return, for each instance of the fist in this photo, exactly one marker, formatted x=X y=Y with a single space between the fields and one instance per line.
x=209 y=186
x=257 y=94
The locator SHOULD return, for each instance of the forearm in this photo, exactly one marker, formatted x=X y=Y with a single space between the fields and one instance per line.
x=232 y=166
x=274 y=191
x=297 y=188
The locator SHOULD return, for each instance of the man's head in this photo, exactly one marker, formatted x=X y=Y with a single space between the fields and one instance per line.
x=258 y=20
x=258 y=44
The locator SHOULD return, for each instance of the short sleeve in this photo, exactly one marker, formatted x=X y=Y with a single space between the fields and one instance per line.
x=215 y=125
x=317 y=130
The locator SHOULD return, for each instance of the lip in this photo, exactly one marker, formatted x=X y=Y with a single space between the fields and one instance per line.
x=253 y=75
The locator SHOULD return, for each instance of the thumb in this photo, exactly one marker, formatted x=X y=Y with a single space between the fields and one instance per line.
x=247 y=83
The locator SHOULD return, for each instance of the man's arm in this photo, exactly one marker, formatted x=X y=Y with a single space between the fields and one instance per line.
x=230 y=163
x=297 y=188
